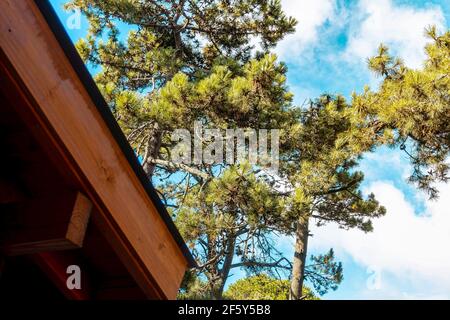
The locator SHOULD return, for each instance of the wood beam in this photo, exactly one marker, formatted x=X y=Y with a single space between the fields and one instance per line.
x=56 y=222
x=79 y=126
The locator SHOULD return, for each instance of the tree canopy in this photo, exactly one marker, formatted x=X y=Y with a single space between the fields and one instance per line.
x=263 y=287
x=414 y=107
x=190 y=62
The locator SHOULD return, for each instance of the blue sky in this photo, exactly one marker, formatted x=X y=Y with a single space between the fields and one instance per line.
x=407 y=256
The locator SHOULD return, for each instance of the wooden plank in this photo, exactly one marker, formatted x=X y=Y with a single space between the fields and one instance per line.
x=79 y=219
x=76 y=128
x=47 y=224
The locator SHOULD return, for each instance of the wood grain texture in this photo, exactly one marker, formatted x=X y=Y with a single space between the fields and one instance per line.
x=79 y=220
x=60 y=102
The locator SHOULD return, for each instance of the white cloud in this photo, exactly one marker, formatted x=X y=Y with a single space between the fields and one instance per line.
x=410 y=251
x=401 y=27
x=410 y=244
x=311 y=15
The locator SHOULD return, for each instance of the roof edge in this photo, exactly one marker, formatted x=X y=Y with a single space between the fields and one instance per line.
x=81 y=70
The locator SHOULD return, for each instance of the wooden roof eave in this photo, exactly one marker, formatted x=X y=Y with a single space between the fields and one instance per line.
x=66 y=102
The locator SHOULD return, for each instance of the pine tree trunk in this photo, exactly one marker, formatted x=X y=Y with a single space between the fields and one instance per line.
x=217 y=293
x=152 y=150
x=298 y=267
x=214 y=288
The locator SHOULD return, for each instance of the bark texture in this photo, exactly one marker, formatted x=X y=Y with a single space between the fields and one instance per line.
x=298 y=265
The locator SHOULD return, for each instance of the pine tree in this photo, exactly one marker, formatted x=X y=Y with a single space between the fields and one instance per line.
x=414 y=106
x=263 y=287
x=188 y=61
x=322 y=185
x=169 y=38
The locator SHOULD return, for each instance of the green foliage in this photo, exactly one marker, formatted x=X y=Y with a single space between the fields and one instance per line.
x=193 y=288
x=166 y=37
x=323 y=184
x=324 y=272
x=414 y=105
x=188 y=60
x=263 y=287
x=330 y=141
